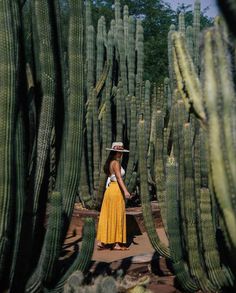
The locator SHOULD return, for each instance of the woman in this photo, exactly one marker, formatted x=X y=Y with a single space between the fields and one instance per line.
x=112 y=220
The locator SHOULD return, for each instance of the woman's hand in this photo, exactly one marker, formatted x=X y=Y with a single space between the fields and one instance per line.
x=128 y=195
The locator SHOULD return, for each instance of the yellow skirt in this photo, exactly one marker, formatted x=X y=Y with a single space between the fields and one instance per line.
x=112 y=219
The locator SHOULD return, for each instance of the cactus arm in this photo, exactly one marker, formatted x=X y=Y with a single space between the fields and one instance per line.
x=190 y=78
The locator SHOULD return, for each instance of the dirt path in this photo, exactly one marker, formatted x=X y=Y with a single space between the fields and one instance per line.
x=140 y=260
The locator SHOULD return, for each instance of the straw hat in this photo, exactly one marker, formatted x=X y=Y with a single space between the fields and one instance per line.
x=117 y=147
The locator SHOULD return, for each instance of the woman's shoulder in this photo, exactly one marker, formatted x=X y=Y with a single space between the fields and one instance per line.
x=115 y=163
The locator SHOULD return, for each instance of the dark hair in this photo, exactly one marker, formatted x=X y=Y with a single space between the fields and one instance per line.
x=106 y=167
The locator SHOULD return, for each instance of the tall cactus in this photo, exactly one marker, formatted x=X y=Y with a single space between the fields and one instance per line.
x=146 y=205
x=48 y=82
x=8 y=115
x=74 y=142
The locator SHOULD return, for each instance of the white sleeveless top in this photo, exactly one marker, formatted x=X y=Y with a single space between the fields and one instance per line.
x=112 y=178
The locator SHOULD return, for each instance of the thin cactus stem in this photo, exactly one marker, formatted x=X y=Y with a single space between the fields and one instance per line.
x=170 y=57
x=189 y=40
x=190 y=78
x=182 y=23
x=133 y=141
x=117 y=10
x=196 y=32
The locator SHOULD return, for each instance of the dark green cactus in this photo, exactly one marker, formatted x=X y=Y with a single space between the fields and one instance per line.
x=174 y=230
x=133 y=142
x=194 y=256
x=48 y=83
x=196 y=32
x=74 y=144
x=51 y=249
x=8 y=114
x=144 y=193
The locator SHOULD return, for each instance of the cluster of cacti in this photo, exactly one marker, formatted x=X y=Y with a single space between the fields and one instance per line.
x=114 y=66
x=200 y=170
x=40 y=170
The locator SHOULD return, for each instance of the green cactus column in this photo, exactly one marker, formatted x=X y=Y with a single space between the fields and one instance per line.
x=8 y=99
x=159 y=167
x=174 y=228
x=140 y=52
x=131 y=56
x=196 y=33
x=182 y=23
x=189 y=40
x=144 y=193
x=190 y=207
x=218 y=166
x=170 y=58
x=74 y=144
x=41 y=10
x=132 y=142
x=45 y=270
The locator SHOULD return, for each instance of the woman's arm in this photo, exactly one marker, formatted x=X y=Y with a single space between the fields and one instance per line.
x=115 y=166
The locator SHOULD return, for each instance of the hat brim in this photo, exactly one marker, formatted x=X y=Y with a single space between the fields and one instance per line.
x=120 y=151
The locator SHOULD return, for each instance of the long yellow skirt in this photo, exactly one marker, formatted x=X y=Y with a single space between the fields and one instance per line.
x=112 y=219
